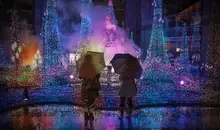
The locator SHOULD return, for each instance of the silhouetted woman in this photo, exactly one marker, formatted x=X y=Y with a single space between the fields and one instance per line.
x=127 y=91
x=90 y=92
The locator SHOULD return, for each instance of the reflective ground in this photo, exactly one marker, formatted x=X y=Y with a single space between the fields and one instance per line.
x=66 y=117
x=147 y=96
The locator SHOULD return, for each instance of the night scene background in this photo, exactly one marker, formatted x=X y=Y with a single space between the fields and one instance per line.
x=176 y=42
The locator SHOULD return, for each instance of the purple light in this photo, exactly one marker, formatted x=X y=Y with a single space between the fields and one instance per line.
x=182 y=82
x=71 y=76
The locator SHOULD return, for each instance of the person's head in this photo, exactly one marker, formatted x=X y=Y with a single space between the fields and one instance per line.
x=88 y=58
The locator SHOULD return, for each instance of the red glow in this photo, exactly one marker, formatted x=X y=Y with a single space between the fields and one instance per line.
x=31 y=45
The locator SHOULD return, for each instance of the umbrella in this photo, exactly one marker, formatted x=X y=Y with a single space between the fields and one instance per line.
x=90 y=64
x=127 y=65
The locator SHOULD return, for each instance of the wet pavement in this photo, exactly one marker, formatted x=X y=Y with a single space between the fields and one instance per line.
x=67 y=117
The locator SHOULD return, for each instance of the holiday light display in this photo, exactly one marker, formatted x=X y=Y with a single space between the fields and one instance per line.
x=156 y=64
x=16 y=52
x=110 y=26
x=51 y=45
x=85 y=28
x=213 y=65
x=184 y=55
x=196 y=37
x=37 y=60
x=157 y=44
x=85 y=19
x=178 y=84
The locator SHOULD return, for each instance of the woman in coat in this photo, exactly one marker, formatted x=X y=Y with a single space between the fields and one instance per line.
x=127 y=91
x=89 y=93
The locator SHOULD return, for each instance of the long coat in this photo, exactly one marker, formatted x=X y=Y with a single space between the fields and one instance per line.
x=90 y=88
x=128 y=88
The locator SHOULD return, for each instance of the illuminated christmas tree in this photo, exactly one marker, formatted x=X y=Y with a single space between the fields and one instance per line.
x=85 y=28
x=111 y=13
x=157 y=68
x=51 y=45
x=214 y=50
x=110 y=28
x=184 y=55
x=196 y=33
x=157 y=44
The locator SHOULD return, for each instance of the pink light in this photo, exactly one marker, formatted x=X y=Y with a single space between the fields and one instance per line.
x=71 y=76
x=110 y=3
x=182 y=82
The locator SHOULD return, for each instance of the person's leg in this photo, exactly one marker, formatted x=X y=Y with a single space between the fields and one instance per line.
x=91 y=116
x=86 y=119
x=130 y=105
x=122 y=105
x=86 y=114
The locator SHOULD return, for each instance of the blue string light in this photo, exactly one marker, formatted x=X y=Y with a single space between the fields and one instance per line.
x=51 y=44
x=111 y=22
x=157 y=44
x=184 y=55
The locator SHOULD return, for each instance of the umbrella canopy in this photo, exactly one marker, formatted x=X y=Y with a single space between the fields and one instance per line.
x=127 y=65
x=90 y=64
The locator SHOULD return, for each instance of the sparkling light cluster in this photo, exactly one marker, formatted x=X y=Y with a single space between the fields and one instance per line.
x=213 y=54
x=110 y=23
x=51 y=44
x=16 y=51
x=157 y=44
x=156 y=65
x=196 y=34
x=184 y=55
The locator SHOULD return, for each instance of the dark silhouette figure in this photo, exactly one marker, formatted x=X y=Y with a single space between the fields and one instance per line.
x=26 y=94
x=90 y=92
x=127 y=91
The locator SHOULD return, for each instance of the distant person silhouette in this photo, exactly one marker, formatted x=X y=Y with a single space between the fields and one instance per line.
x=26 y=94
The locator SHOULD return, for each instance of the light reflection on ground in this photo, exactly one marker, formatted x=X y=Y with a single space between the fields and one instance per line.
x=50 y=117
x=109 y=98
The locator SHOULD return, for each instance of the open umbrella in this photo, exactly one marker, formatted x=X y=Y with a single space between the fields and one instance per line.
x=90 y=64
x=127 y=65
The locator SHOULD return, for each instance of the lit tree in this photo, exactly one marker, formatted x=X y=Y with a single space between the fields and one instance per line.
x=184 y=55
x=156 y=65
x=14 y=29
x=196 y=34
x=214 y=50
x=110 y=29
x=85 y=26
x=111 y=13
x=51 y=45
x=37 y=60
x=157 y=44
